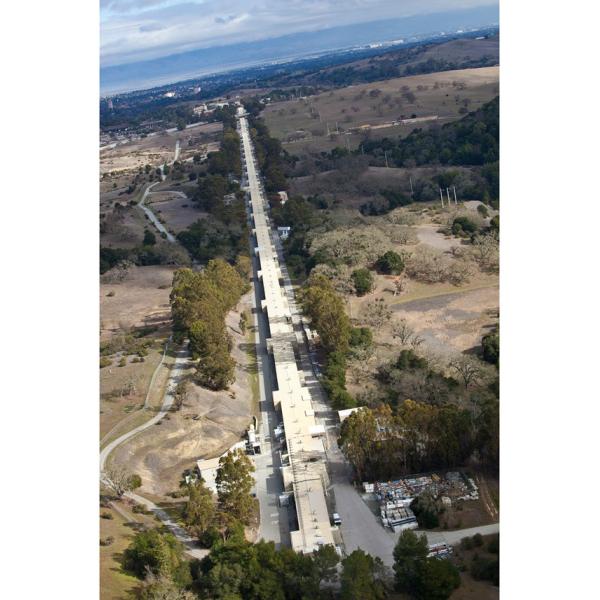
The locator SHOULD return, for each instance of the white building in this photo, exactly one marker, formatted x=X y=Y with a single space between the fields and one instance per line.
x=208 y=467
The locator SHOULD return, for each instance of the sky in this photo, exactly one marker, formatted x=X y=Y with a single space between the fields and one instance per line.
x=136 y=30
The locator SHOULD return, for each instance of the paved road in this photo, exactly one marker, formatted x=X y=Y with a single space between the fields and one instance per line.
x=361 y=528
x=161 y=228
x=191 y=546
x=181 y=363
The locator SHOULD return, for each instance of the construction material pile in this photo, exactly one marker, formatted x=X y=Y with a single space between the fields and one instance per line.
x=395 y=497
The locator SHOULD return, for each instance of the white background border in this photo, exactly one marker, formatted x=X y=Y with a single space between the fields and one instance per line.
x=549 y=299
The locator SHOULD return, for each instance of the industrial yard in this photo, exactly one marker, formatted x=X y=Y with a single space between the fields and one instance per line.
x=394 y=498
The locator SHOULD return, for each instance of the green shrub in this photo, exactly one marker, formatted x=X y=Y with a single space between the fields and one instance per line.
x=495 y=224
x=486 y=569
x=122 y=362
x=408 y=360
x=361 y=337
x=210 y=537
x=466 y=543
x=426 y=511
x=490 y=345
x=494 y=545
x=482 y=210
x=135 y=481
x=390 y=263
x=106 y=515
x=111 y=293
x=463 y=226
x=153 y=550
x=363 y=281
x=105 y=362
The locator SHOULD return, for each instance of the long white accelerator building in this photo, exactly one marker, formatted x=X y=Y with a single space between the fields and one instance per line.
x=304 y=470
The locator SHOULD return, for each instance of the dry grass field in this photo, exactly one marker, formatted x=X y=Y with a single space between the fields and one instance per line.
x=158 y=149
x=116 y=584
x=449 y=318
x=174 y=209
x=123 y=392
x=142 y=299
x=351 y=189
x=370 y=109
x=207 y=424
x=155 y=150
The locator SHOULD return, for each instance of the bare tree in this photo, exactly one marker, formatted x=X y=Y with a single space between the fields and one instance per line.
x=376 y=313
x=403 y=331
x=118 y=273
x=467 y=368
x=486 y=250
x=181 y=394
x=416 y=341
x=160 y=587
x=117 y=478
x=399 y=285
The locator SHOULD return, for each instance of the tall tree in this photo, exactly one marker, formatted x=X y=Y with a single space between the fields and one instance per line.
x=437 y=579
x=410 y=551
x=357 y=436
x=361 y=577
x=160 y=553
x=200 y=509
x=326 y=311
x=234 y=483
x=326 y=560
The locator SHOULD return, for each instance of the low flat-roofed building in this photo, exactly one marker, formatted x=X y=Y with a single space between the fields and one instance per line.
x=344 y=414
x=304 y=470
x=207 y=467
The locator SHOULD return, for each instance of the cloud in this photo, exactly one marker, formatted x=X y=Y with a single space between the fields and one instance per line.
x=133 y=30
x=224 y=20
x=151 y=27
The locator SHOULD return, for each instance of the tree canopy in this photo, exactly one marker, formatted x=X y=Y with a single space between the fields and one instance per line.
x=234 y=483
x=199 y=304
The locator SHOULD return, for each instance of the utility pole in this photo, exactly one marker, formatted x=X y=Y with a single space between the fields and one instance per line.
x=442 y=197
x=448 y=193
x=411 y=187
x=386 y=161
x=337 y=129
x=455 y=201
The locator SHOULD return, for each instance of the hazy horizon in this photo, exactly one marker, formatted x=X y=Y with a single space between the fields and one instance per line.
x=181 y=66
